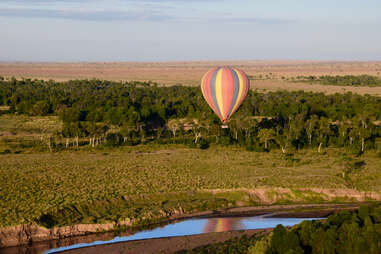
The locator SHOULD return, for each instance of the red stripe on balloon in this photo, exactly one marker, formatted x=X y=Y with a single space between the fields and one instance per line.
x=227 y=91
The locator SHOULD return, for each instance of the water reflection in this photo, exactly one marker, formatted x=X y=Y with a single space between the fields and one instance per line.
x=222 y=224
x=182 y=228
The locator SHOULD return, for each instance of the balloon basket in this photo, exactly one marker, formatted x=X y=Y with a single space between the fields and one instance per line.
x=224 y=126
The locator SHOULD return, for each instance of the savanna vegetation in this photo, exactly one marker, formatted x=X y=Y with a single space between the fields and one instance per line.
x=356 y=232
x=60 y=166
x=346 y=80
x=117 y=113
x=66 y=188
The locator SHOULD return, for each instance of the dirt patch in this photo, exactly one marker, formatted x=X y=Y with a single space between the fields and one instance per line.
x=28 y=233
x=347 y=193
x=6 y=134
x=275 y=195
x=313 y=212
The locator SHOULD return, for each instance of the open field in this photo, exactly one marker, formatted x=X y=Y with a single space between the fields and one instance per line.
x=34 y=184
x=151 y=181
x=190 y=73
x=274 y=85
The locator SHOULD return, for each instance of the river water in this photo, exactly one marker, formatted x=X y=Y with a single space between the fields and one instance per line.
x=193 y=227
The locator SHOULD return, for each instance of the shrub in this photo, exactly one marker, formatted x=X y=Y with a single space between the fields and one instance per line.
x=114 y=139
x=204 y=144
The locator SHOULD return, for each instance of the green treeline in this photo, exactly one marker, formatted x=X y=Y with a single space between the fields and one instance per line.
x=357 y=232
x=345 y=232
x=346 y=80
x=96 y=112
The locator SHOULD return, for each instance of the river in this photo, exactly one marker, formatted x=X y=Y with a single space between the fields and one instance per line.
x=187 y=227
x=195 y=226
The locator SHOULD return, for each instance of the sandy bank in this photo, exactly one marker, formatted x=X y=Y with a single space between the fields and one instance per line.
x=166 y=244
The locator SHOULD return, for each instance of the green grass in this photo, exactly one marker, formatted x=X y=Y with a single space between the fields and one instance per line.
x=139 y=210
x=346 y=80
x=25 y=134
x=21 y=124
x=147 y=183
x=44 y=183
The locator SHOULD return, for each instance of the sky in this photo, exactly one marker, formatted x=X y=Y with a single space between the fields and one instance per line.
x=183 y=30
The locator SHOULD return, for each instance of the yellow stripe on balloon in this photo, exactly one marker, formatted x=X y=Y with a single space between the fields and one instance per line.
x=241 y=90
x=219 y=92
x=202 y=84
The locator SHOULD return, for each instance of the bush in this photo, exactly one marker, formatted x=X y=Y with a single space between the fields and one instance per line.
x=6 y=151
x=354 y=165
x=225 y=140
x=204 y=144
x=114 y=139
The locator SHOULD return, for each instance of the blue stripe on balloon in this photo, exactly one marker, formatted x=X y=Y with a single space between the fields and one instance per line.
x=213 y=91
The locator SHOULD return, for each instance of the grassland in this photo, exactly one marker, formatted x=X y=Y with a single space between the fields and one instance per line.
x=274 y=73
x=152 y=181
x=35 y=184
x=19 y=133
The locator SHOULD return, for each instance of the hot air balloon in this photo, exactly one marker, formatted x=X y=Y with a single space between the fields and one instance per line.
x=224 y=89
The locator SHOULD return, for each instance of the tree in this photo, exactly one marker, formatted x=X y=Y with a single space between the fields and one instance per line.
x=236 y=125
x=284 y=241
x=126 y=130
x=265 y=135
x=324 y=131
x=196 y=128
x=174 y=125
x=40 y=108
x=248 y=124
x=310 y=127
x=364 y=133
x=344 y=128
x=282 y=140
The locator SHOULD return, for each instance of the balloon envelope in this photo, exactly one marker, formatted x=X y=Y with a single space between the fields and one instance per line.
x=225 y=89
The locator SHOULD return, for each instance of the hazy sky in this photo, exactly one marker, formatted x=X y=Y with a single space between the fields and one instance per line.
x=166 y=30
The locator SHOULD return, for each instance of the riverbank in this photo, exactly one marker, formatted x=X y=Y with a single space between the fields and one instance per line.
x=166 y=244
x=44 y=239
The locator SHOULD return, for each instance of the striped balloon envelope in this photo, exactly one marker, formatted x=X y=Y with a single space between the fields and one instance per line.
x=224 y=89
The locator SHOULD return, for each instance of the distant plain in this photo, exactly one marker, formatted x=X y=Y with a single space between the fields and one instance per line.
x=267 y=75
